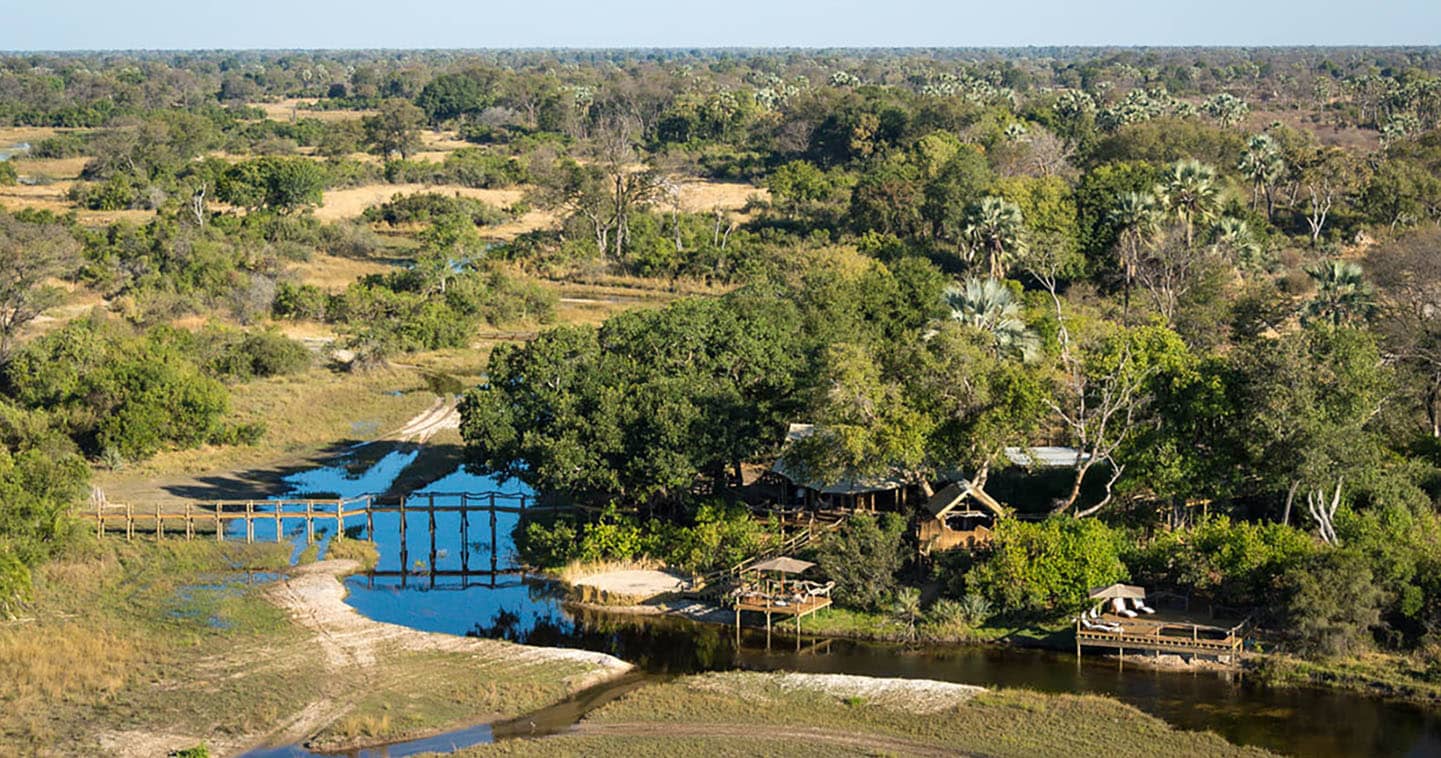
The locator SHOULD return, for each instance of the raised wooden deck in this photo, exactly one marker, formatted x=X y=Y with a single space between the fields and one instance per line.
x=1167 y=635
x=804 y=608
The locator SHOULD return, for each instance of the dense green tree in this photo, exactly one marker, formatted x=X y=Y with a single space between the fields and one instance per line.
x=1048 y=566
x=863 y=558
x=394 y=129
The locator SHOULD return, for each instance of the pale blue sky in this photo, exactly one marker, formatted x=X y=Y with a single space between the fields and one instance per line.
x=191 y=24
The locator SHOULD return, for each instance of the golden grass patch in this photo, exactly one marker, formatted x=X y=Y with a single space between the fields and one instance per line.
x=293 y=108
x=334 y=273
x=351 y=202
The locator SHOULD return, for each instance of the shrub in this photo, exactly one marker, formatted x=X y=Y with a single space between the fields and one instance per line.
x=1334 y=604
x=1049 y=565
x=8 y=177
x=863 y=558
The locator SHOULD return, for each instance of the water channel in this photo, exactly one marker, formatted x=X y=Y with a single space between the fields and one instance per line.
x=1296 y=721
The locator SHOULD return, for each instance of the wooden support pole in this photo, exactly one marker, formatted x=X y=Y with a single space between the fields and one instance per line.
x=219 y=531
x=340 y=517
x=309 y=522
x=464 y=534
x=129 y=522
x=99 y=520
x=189 y=521
x=279 y=506
x=404 y=548
x=249 y=521
x=493 y=550
x=158 y=523
x=432 y=537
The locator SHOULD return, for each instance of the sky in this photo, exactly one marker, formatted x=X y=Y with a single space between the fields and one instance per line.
x=289 y=24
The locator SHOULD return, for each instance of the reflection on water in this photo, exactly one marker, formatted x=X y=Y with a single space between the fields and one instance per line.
x=526 y=610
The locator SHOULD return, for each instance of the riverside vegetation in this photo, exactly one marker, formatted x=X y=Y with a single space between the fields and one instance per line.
x=1212 y=271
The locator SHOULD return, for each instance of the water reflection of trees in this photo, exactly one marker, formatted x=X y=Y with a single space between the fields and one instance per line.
x=654 y=645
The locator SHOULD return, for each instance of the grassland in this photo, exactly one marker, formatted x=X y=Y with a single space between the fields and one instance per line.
x=145 y=648
x=761 y=714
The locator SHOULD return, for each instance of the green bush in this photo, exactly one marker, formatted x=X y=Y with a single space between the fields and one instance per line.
x=1049 y=565
x=8 y=177
x=1334 y=604
x=863 y=558
x=424 y=207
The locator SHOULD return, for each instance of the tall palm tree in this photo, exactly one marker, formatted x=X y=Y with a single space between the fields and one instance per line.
x=1235 y=238
x=1190 y=191
x=994 y=225
x=1137 y=217
x=988 y=305
x=1261 y=162
x=1342 y=294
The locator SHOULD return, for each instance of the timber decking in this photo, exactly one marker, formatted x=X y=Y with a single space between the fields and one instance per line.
x=1163 y=636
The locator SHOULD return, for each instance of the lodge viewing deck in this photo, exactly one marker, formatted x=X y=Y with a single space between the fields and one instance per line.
x=1161 y=635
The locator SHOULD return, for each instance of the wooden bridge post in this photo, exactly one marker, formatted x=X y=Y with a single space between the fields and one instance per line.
x=99 y=519
x=219 y=532
x=369 y=520
x=249 y=522
x=129 y=522
x=159 y=533
x=493 y=551
x=309 y=522
x=189 y=521
x=430 y=502
x=404 y=549
x=279 y=506
x=464 y=534
x=340 y=517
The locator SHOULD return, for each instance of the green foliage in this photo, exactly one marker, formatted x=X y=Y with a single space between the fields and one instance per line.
x=718 y=537
x=1334 y=604
x=863 y=558
x=1048 y=566
x=118 y=392
x=1234 y=563
x=281 y=184
x=425 y=207
x=8 y=177
x=641 y=407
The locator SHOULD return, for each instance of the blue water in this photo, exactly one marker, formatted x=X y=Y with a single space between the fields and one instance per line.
x=450 y=604
x=1291 y=720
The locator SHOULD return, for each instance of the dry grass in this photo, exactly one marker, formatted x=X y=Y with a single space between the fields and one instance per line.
x=53 y=168
x=351 y=202
x=333 y=273
x=69 y=660
x=749 y=713
x=363 y=552
x=703 y=196
x=575 y=571
x=288 y=110
x=10 y=135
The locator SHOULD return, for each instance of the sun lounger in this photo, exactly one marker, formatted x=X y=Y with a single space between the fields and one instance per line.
x=1141 y=606
x=1118 y=606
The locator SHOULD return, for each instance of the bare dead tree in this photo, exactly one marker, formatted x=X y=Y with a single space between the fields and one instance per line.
x=1324 y=512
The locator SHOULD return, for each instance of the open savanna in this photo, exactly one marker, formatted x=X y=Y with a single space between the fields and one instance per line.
x=146 y=648
x=743 y=714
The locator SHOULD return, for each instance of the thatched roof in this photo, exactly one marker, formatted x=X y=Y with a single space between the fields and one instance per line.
x=784 y=564
x=1111 y=591
x=948 y=497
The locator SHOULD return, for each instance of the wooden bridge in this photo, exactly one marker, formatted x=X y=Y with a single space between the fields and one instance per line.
x=218 y=520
